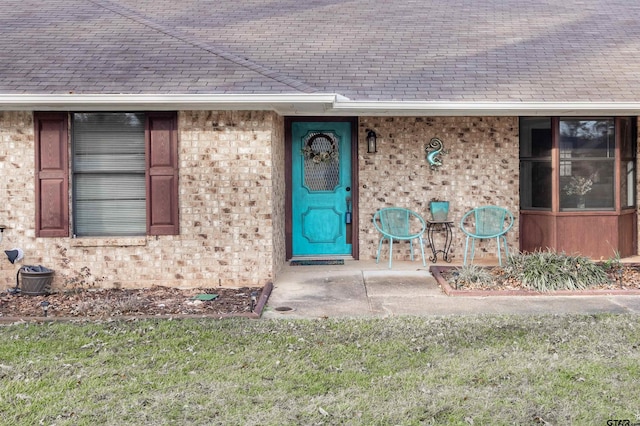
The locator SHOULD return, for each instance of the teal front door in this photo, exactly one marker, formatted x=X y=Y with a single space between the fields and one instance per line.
x=321 y=188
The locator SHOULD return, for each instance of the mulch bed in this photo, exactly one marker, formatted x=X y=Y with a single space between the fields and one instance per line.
x=139 y=303
x=501 y=286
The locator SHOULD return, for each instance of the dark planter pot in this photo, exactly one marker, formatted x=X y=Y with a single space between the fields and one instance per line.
x=35 y=283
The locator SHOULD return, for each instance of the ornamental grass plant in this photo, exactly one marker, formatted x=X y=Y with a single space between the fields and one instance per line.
x=546 y=271
x=473 y=275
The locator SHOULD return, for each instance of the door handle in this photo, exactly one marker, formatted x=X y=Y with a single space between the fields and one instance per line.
x=347 y=215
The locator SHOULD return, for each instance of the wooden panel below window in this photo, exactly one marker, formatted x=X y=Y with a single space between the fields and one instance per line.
x=598 y=235
x=627 y=231
x=537 y=231
x=595 y=236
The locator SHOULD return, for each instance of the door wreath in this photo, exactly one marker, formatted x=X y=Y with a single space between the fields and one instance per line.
x=319 y=155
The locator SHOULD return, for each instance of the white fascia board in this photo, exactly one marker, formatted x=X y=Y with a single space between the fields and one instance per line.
x=300 y=104
x=285 y=104
x=398 y=108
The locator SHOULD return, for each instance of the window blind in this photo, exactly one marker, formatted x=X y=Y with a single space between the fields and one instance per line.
x=109 y=174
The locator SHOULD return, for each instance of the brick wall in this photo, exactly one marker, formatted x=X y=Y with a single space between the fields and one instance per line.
x=227 y=227
x=227 y=175
x=278 y=190
x=17 y=164
x=481 y=167
x=232 y=197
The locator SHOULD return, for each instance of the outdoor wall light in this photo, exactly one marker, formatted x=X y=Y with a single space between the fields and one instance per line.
x=254 y=300
x=372 y=140
x=45 y=307
x=14 y=255
x=2 y=227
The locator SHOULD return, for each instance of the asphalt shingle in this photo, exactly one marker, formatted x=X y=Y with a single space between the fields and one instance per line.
x=490 y=50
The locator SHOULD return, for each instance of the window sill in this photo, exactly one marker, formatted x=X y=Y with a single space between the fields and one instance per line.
x=108 y=242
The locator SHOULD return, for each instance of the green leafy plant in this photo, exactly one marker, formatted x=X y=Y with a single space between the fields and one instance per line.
x=614 y=265
x=548 y=271
x=473 y=274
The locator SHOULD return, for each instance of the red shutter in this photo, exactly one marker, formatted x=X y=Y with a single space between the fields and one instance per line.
x=52 y=175
x=162 y=173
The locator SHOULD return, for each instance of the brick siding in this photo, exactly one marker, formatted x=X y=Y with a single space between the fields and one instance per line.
x=227 y=232
x=232 y=197
x=481 y=167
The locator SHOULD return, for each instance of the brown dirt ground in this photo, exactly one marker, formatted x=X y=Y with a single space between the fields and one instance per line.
x=106 y=303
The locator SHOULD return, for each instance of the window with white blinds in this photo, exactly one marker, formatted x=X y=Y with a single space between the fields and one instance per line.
x=109 y=194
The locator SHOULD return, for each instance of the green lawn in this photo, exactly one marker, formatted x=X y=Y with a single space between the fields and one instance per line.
x=475 y=370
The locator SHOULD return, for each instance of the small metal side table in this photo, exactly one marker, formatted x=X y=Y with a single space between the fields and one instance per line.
x=445 y=227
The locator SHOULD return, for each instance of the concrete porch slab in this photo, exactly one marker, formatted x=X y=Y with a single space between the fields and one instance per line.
x=394 y=284
x=310 y=294
x=364 y=288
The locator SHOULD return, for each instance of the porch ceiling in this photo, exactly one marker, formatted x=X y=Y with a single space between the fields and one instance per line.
x=328 y=104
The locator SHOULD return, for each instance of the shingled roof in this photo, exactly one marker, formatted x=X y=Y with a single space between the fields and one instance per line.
x=470 y=51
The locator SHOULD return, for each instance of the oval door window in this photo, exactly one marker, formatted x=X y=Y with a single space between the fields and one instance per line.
x=321 y=161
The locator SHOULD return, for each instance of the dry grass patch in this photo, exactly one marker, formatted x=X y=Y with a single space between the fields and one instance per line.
x=453 y=370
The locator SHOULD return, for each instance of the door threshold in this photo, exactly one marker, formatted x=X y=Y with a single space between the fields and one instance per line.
x=319 y=257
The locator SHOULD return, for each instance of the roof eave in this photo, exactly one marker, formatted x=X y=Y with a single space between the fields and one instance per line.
x=285 y=104
x=398 y=108
x=326 y=104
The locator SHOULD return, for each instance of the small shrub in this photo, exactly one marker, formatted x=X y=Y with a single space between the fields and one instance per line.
x=614 y=267
x=472 y=274
x=613 y=263
x=548 y=271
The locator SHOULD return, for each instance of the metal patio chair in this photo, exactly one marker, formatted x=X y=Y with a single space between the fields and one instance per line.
x=397 y=223
x=486 y=222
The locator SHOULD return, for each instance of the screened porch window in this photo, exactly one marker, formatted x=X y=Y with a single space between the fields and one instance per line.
x=109 y=194
x=585 y=160
x=535 y=163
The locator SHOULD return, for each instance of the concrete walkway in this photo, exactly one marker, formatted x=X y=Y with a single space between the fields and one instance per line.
x=367 y=289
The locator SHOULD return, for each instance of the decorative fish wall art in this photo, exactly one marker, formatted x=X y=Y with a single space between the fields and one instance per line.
x=434 y=150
